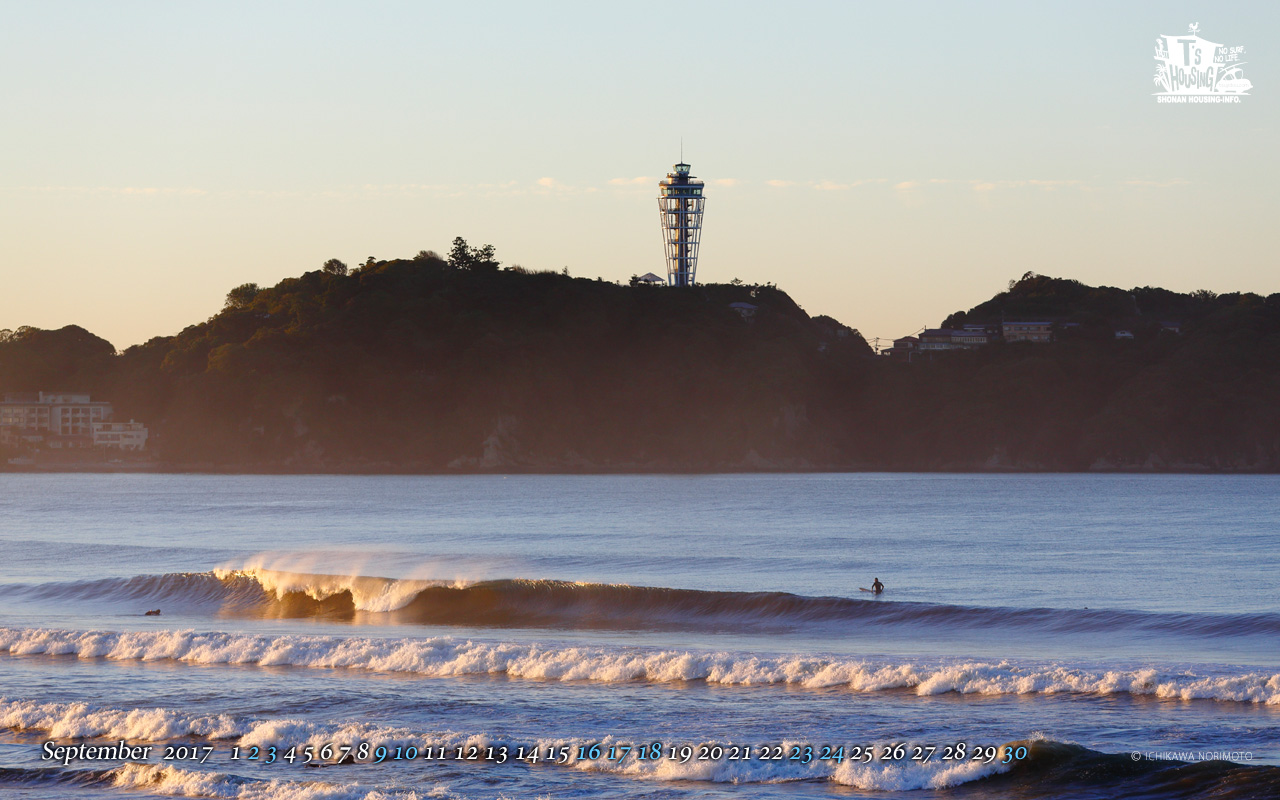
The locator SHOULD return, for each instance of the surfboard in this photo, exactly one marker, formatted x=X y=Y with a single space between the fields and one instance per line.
x=873 y=591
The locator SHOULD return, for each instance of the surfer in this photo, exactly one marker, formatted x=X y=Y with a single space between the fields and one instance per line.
x=155 y=612
x=877 y=587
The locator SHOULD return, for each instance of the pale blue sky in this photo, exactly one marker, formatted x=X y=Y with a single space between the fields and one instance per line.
x=884 y=163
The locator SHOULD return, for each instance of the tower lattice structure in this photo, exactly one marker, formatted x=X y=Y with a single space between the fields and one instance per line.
x=680 y=207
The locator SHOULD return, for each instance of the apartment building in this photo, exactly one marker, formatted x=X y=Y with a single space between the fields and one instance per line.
x=53 y=413
x=65 y=421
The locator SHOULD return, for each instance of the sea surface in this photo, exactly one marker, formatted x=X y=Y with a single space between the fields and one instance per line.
x=392 y=637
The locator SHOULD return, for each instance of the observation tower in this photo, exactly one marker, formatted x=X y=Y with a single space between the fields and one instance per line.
x=680 y=211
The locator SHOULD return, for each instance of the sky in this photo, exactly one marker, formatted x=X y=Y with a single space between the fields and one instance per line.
x=884 y=163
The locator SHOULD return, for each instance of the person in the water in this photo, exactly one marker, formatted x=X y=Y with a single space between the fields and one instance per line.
x=877 y=587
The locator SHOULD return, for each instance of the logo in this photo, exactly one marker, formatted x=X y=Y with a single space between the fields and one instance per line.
x=1190 y=69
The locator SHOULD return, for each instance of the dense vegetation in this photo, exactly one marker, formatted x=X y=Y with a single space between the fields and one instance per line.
x=432 y=364
x=1096 y=310
x=435 y=364
x=1205 y=397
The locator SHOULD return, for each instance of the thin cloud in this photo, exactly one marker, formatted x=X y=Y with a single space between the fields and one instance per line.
x=141 y=191
x=831 y=186
x=1034 y=183
x=550 y=185
x=1051 y=185
x=638 y=181
x=725 y=182
x=982 y=185
x=1158 y=184
x=351 y=192
x=991 y=186
x=399 y=189
x=777 y=184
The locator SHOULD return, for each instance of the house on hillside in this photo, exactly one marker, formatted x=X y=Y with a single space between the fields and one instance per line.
x=971 y=336
x=903 y=349
x=935 y=339
x=1027 y=331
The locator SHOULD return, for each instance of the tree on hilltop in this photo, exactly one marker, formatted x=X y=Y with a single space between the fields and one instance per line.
x=242 y=295
x=480 y=259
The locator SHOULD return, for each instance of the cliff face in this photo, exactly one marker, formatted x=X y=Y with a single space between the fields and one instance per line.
x=419 y=366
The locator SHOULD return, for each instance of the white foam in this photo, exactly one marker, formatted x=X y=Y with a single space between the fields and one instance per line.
x=875 y=775
x=883 y=774
x=910 y=775
x=166 y=780
x=79 y=721
x=82 y=721
x=446 y=657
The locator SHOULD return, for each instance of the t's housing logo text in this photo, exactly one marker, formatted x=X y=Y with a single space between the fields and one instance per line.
x=1190 y=69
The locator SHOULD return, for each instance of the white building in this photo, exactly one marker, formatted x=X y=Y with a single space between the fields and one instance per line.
x=121 y=435
x=53 y=413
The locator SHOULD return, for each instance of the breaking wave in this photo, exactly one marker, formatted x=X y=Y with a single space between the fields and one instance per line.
x=441 y=657
x=64 y=721
x=518 y=603
x=79 y=720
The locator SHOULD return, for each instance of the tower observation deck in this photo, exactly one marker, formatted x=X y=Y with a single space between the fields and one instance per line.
x=680 y=206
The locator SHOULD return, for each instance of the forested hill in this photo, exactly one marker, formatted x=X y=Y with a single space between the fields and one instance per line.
x=1098 y=310
x=441 y=366
x=1196 y=388
x=436 y=365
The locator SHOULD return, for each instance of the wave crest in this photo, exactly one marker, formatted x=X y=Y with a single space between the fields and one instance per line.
x=517 y=603
x=371 y=594
x=447 y=657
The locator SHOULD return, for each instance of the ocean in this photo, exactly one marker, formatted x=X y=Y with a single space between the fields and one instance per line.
x=650 y=636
